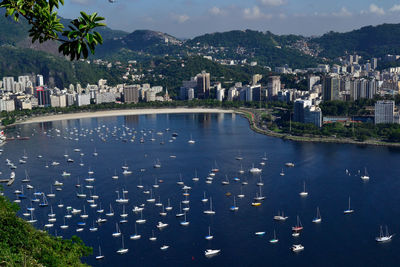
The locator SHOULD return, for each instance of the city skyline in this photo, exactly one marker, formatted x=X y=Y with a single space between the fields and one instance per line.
x=189 y=18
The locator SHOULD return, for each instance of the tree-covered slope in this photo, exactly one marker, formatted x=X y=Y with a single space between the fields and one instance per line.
x=22 y=245
x=370 y=41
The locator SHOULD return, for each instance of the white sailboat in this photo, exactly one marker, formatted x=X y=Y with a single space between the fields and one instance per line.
x=191 y=141
x=365 y=177
x=304 y=193
x=318 y=218
x=117 y=232
x=185 y=222
x=152 y=238
x=141 y=220
x=209 y=236
x=210 y=211
x=384 y=238
x=136 y=236
x=204 y=199
x=111 y=212
x=122 y=250
x=349 y=210
x=195 y=178
x=168 y=207
x=180 y=214
x=100 y=256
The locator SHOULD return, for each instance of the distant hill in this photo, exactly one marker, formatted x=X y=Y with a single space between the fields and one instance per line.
x=147 y=41
x=370 y=41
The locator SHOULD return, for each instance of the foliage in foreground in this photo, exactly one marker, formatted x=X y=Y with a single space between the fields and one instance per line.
x=22 y=245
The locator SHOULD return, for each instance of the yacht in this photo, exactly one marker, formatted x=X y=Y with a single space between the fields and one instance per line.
x=297 y=248
x=164 y=247
x=289 y=164
x=161 y=225
x=255 y=170
x=211 y=252
x=280 y=217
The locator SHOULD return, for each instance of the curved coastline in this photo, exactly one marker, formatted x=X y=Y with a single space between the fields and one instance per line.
x=122 y=112
x=244 y=112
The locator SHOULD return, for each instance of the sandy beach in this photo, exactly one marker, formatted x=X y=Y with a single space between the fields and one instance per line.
x=111 y=113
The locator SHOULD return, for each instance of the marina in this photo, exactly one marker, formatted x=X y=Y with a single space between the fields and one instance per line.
x=137 y=218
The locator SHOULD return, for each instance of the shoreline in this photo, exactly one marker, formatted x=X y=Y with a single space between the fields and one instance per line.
x=181 y=110
x=121 y=112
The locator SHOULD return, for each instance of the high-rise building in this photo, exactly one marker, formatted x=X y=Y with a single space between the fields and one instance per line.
x=203 y=85
x=131 y=94
x=298 y=109
x=82 y=100
x=190 y=94
x=43 y=96
x=305 y=112
x=273 y=86
x=8 y=84
x=39 y=80
x=256 y=78
x=220 y=94
x=331 y=87
x=374 y=63
x=384 y=111
x=312 y=80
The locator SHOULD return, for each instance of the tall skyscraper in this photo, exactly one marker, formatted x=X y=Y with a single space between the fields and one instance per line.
x=203 y=84
x=131 y=94
x=384 y=111
x=331 y=88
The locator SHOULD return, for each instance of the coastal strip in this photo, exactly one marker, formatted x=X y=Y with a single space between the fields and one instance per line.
x=123 y=112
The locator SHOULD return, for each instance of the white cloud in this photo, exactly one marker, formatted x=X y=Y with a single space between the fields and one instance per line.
x=216 y=11
x=344 y=12
x=82 y=2
x=272 y=2
x=255 y=13
x=374 y=9
x=395 y=8
x=181 y=18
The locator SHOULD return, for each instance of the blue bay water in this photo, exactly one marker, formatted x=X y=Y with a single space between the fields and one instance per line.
x=340 y=240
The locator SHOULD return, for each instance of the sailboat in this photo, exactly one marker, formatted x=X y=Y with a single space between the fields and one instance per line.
x=204 y=199
x=274 y=240
x=152 y=238
x=349 y=210
x=122 y=250
x=135 y=236
x=111 y=213
x=44 y=202
x=241 y=171
x=27 y=179
x=51 y=194
x=234 y=207
x=32 y=220
x=168 y=208
x=141 y=220
x=180 y=214
x=64 y=226
x=255 y=170
x=191 y=141
x=100 y=256
x=260 y=196
x=117 y=232
x=260 y=182
x=304 y=193
x=241 y=195
x=163 y=213
x=210 y=211
x=211 y=252
x=151 y=199
x=195 y=178
x=185 y=222
x=239 y=156
x=365 y=177
x=282 y=173
x=317 y=219
x=209 y=236
x=384 y=238
x=226 y=181
x=115 y=176
x=298 y=226
x=93 y=228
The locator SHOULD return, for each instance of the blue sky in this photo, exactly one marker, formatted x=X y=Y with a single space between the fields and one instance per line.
x=189 y=18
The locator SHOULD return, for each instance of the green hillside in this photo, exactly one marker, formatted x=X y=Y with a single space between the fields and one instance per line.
x=370 y=41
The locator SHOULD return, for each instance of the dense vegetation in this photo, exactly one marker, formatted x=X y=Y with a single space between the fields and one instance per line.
x=22 y=245
x=18 y=61
x=370 y=41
